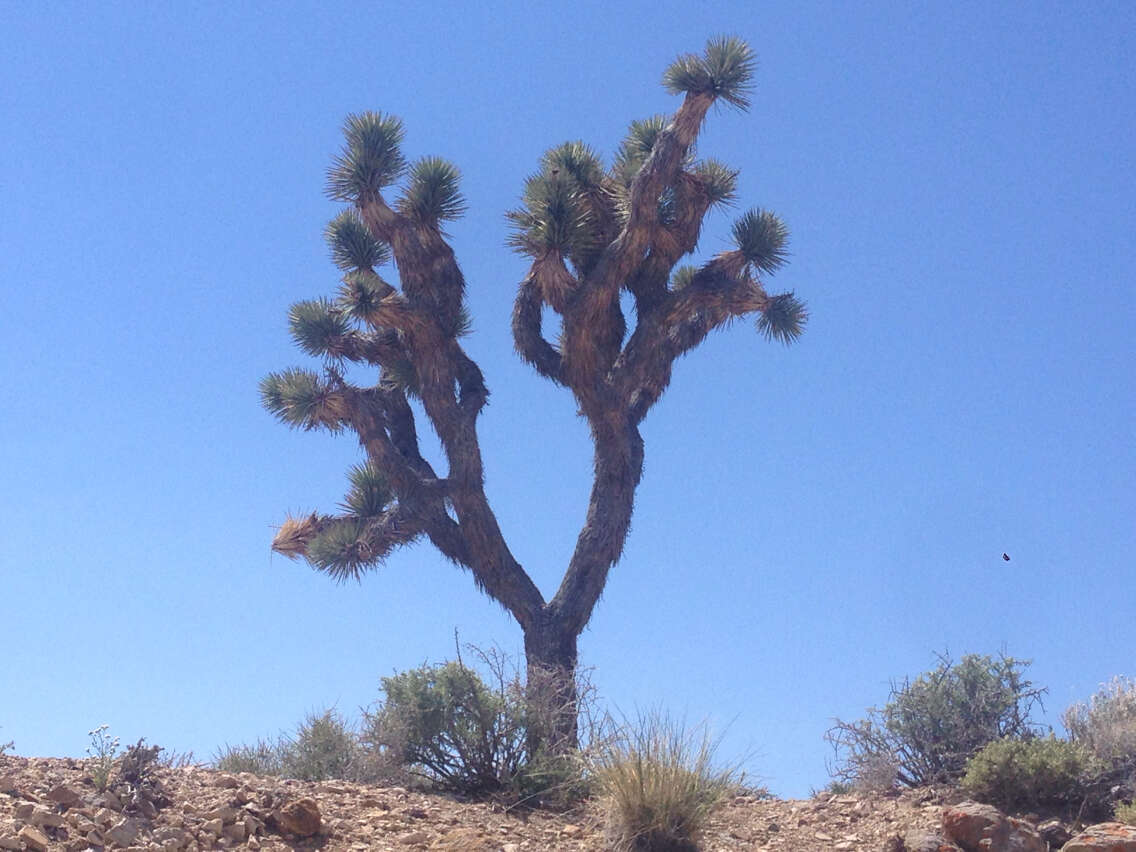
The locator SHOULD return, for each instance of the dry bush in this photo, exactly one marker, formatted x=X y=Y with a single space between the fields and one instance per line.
x=1106 y=727
x=1106 y=724
x=660 y=783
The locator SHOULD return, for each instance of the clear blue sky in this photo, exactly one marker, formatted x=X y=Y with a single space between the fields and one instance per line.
x=813 y=521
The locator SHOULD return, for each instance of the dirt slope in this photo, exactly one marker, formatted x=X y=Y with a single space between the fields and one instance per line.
x=51 y=804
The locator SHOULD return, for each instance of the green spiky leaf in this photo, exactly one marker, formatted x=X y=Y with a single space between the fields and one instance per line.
x=370 y=158
x=318 y=326
x=783 y=318
x=682 y=276
x=351 y=244
x=554 y=218
x=370 y=492
x=637 y=146
x=432 y=193
x=762 y=238
x=295 y=396
x=340 y=549
x=401 y=374
x=360 y=294
x=724 y=71
x=719 y=181
x=574 y=161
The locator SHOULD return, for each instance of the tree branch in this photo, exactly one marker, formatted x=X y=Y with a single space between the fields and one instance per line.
x=434 y=285
x=527 y=336
x=678 y=324
x=618 y=466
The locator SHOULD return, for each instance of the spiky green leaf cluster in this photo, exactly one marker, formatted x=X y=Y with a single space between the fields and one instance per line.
x=318 y=326
x=762 y=239
x=724 y=71
x=401 y=374
x=783 y=319
x=432 y=193
x=574 y=162
x=351 y=244
x=682 y=276
x=294 y=396
x=370 y=159
x=718 y=180
x=555 y=218
x=340 y=550
x=636 y=147
x=360 y=294
x=370 y=492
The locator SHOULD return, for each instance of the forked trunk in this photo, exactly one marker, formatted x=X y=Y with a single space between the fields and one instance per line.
x=550 y=660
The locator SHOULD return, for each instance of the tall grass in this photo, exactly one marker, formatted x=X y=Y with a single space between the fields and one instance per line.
x=661 y=784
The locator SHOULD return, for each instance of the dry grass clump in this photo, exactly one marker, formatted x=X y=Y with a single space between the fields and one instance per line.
x=661 y=784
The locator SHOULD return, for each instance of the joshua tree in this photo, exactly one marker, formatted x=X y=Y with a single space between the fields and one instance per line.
x=591 y=233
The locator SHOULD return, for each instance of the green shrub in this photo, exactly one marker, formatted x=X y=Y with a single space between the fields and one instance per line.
x=323 y=747
x=445 y=724
x=1125 y=812
x=1029 y=775
x=660 y=785
x=262 y=758
x=449 y=727
x=5 y=746
x=931 y=726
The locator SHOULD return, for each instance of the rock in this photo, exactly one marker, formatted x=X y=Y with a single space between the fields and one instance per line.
x=415 y=838
x=927 y=841
x=301 y=818
x=10 y=841
x=33 y=838
x=64 y=795
x=169 y=834
x=1104 y=837
x=252 y=825
x=124 y=833
x=225 y=814
x=235 y=832
x=983 y=828
x=44 y=818
x=1054 y=833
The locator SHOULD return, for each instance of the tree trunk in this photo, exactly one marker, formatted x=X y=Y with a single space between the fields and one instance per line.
x=550 y=660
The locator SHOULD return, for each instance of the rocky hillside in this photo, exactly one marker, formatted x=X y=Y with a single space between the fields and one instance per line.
x=52 y=804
